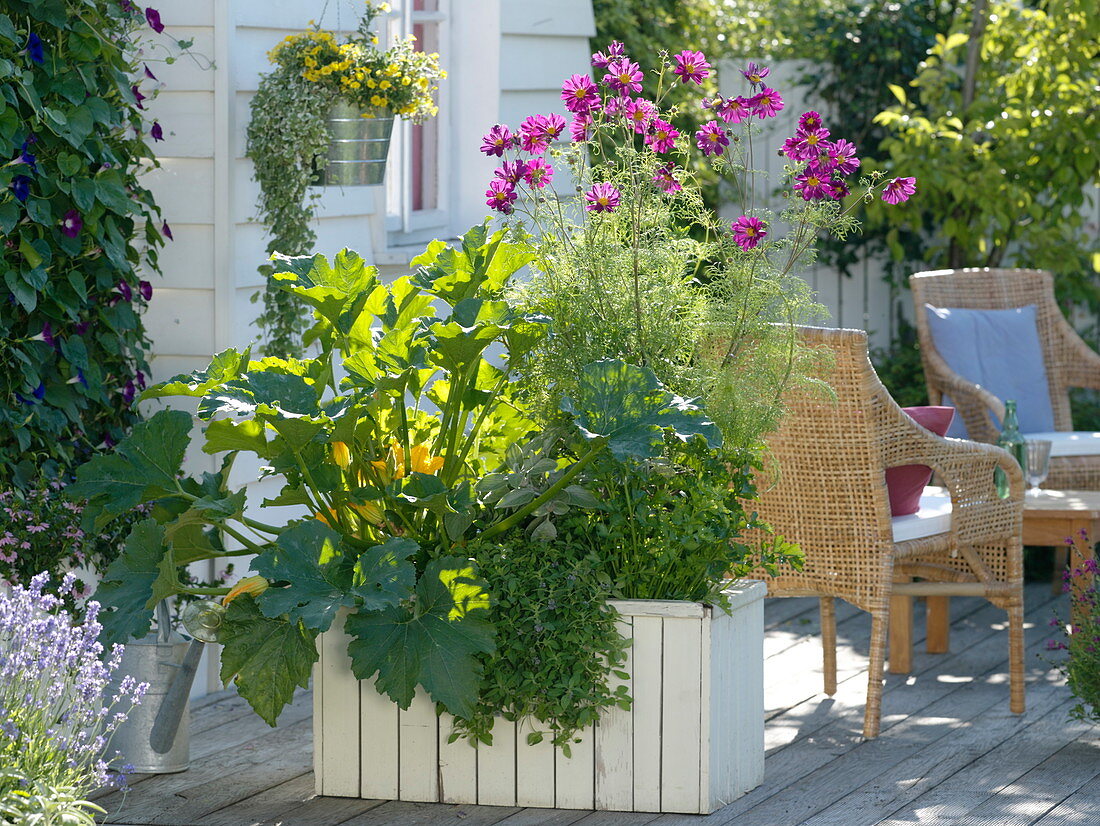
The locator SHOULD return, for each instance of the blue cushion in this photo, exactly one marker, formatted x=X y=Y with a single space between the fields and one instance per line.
x=999 y=350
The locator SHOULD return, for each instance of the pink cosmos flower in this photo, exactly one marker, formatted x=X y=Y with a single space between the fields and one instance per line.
x=662 y=136
x=665 y=178
x=735 y=110
x=512 y=172
x=497 y=141
x=533 y=135
x=538 y=173
x=813 y=185
x=808 y=144
x=500 y=196
x=842 y=155
x=691 y=66
x=755 y=74
x=640 y=112
x=899 y=190
x=712 y=139
x=766 y=104
x=616 y=50
x=748 y=232
x=578 y=129
x=809 y=120
x=840 y=189
x=791 y=147
x=580 y=94
x=624 y=76
x=602 y=198
x=72 y=223
x=616 y=106
x=538 y=131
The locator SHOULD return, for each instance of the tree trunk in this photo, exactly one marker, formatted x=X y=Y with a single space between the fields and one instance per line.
x=973 y=52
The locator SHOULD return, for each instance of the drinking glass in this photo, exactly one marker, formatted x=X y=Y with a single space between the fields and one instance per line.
x=1038 y=463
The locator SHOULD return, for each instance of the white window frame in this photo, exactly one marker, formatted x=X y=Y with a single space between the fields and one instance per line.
x=401 y=218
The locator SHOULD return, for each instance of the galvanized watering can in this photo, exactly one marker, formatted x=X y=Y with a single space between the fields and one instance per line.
x=357 y=149
x=154 y=739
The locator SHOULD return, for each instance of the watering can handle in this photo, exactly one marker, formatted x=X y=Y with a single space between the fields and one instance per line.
x=167 y=721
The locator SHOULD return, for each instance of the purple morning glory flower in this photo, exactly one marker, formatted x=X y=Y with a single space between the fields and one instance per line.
x=40 y=391
x=81 y=328
x=129 y=391
x=146 y=289
x=47 y=334
x=148 y=72
x=21 y=188
x=156 y=133
x=139 y=377
x=167 y=231
x=29 y=159
x=152 y=16
x=34 y=48
x=125 y=291
x=138 y=96
x=108 y=442
x=78 y=378
x=126 y=5
x=71 y=224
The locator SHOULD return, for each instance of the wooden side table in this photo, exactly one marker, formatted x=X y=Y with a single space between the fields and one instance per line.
x=1051 y=517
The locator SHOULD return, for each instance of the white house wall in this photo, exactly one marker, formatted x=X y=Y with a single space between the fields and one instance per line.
x=205 y=189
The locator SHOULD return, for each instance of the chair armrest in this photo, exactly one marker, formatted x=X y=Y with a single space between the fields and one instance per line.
x=980 y=409
x=1080 y=363
x=967 y=470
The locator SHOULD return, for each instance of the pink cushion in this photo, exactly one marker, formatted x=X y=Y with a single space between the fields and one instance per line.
x=906 y=483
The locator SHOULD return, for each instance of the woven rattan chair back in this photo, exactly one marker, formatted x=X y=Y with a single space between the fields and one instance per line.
x=825 y=483
x=824 y=488
x=987 y=289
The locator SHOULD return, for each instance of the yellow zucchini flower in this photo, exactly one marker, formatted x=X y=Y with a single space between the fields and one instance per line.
x=254 y=585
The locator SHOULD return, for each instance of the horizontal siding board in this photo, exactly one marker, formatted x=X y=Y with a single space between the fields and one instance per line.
x=533 y=62
x=181 y=322
x=184 y=188
x=187 y=119
x=192 y=72
x=335 y=202
x=188 y=261
x=516 y=105
x=562 y=17
x=296 y=14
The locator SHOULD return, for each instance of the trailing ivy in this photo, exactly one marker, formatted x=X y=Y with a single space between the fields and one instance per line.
x=80 y=232
x=286 y=133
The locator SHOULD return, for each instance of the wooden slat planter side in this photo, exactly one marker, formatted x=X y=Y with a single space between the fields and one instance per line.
x=693 y=741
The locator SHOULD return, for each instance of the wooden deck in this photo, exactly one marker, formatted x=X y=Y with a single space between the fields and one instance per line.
x=950 y=752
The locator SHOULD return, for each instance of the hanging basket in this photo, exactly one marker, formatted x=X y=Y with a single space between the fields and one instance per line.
x=357 y=148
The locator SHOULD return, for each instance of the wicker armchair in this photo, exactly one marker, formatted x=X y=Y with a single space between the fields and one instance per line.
x=1069 y=361
x=825 y=489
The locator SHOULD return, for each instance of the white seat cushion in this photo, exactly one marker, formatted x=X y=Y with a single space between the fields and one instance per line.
x=1070 y=442
x=933 y=517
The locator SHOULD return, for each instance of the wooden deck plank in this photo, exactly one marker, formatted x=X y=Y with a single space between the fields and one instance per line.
x=1082 y=808
x=949 y=753
x=988 y=783
x=289 y=804
x=825 y=731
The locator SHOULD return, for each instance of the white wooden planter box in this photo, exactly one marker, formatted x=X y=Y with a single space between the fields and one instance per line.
x=693 y=742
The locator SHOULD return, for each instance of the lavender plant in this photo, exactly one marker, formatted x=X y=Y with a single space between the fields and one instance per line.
x=1081 y=642
x=58 y=705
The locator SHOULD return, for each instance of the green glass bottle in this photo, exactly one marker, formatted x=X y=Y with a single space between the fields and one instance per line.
x=1011 y=440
